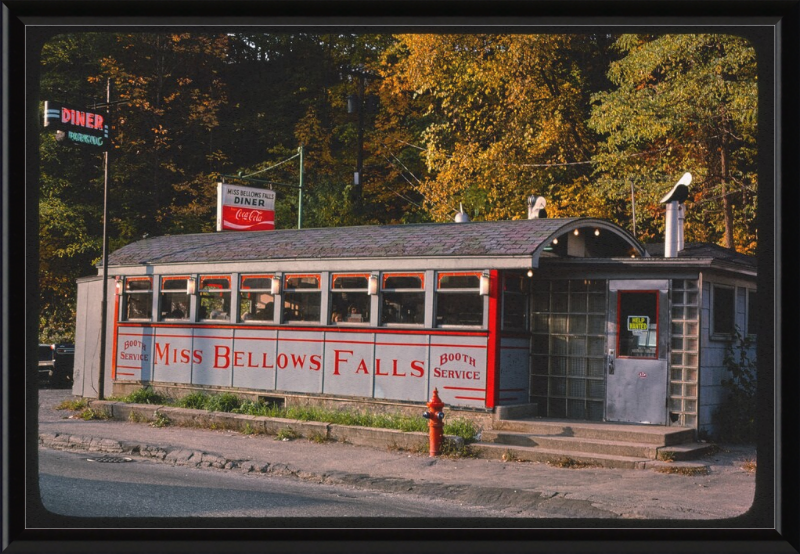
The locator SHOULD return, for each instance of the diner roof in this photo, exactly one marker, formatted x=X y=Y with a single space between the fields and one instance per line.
x=527 y=238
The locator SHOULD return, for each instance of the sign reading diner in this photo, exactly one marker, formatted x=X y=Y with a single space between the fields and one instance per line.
x=245 y=208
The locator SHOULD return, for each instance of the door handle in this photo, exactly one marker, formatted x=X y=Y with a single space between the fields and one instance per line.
x=610 y=364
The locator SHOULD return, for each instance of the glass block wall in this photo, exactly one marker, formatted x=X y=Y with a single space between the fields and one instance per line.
x=684 y=360
x=568 y=324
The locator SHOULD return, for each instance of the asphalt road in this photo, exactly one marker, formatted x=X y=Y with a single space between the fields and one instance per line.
x=73 y=486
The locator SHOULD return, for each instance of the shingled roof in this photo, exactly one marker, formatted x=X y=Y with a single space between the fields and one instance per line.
x=488 y=238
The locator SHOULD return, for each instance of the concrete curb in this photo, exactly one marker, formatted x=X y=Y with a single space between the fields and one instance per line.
x=313 y=430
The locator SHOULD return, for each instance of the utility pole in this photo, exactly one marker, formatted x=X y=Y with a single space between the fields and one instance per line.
x=300 y=193
x=104 y=301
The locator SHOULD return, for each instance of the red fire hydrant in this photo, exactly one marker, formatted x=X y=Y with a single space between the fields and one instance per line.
x=435 y=417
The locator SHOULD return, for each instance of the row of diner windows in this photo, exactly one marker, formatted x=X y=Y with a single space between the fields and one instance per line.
x=459 y=299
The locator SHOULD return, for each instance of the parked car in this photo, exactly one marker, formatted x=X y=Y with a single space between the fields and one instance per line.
x=56 y=363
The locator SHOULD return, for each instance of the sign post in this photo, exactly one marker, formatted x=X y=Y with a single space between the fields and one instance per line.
x=244 y=208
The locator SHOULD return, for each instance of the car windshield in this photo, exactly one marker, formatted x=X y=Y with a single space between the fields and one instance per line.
x=45 y=353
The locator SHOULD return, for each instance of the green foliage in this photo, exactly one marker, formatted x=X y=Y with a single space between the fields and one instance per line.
x=73 y=405
x=145 y=395
x=225 y=402
x=161 y=420
x=286 y=434
x=196 y=401
x=735 y=418
x=88 y=414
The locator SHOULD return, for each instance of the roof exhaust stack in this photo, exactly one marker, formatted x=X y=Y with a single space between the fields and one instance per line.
x=673 y=241
x=536 y=206
x=461 y=217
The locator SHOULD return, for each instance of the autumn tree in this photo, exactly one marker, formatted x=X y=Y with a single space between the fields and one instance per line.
x=682 y=103
x=504 y=117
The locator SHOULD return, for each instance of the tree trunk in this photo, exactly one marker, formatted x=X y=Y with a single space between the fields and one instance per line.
x=727 y=208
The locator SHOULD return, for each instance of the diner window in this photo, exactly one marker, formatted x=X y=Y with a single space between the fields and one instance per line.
x=515 y=302
x=138 y=298
x=723 y=310
x=301 y=298
x=403 y=298
x=752 y=312
x=458 y=299
x=256 y=302
x=174 y=301
x=215 y=297
x=350 y=301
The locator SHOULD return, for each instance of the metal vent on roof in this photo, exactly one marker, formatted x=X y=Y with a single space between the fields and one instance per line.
x=109 y=460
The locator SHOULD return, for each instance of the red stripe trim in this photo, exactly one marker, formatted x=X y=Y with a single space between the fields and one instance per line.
x=129 y=367
x=128 y=374
x=482 y=398
x=463 y=388
x=114 y=338
x=332 y=329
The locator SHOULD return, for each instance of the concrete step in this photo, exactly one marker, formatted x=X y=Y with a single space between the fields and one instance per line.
x=558 y=458
x=646 y=434
x=686 y=451
x=570 y=445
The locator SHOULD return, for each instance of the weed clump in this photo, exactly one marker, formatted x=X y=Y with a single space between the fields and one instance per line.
x=145 y=395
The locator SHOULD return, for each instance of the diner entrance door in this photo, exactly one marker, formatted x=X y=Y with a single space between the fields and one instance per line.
x=636 y=359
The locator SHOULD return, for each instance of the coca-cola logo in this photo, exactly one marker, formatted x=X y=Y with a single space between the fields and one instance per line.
x=251 y=216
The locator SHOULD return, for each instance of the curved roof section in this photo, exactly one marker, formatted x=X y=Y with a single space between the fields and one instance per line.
x=527 y=237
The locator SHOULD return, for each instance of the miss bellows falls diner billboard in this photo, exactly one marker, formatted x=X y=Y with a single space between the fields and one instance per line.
x=245 y=208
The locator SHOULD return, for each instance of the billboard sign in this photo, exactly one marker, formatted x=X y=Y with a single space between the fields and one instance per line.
x=245 y=208
x=77 y=124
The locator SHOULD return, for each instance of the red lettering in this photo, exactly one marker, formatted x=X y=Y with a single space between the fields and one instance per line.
x=394 y=370
x=222 y=353
x=238 y=358
x=80 y=118
x=362 y=368
x=98 y=121
x=90 y=119
x=264 y=362
x=337 y=359
x=417 y=365
x=283 y=361
x=437 y=372
x=377 y=367
x=197 y=356
x=185 y=356
x=300 y=359
x=162 y=353
x=316 y=362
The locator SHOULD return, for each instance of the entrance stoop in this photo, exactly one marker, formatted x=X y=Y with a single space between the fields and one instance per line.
x=571 y=442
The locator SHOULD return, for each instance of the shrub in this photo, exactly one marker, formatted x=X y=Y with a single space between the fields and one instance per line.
x=196 y=400
x=225 y=402
x=735 y=418
x=145 y=395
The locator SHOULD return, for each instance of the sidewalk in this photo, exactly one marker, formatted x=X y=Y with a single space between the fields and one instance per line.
x=519 y=489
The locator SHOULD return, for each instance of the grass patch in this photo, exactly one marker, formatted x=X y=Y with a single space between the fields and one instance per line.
x=230 y=403
x=750 y=466
x=74 y=405
x=286 y=434
x=569 y=463
x=136 y=417
x=161 y=420
x=145 y=395
x=689 y=471
x=319 y=438
x=90 y=413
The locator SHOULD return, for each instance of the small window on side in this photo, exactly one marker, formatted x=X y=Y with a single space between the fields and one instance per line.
x=403 y=299
x=458 y=300
x=215 y=298
x=301 y=298
x=723 y=310
x=350 y=300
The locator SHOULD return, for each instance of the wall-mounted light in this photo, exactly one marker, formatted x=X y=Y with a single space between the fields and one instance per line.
x=276 y=286
x=119 y=285
x=597 y=232
x=372 y=285
x=555 y=241
x=576 y=232
x=484 y=286
x=530 y=272
x=191 y=285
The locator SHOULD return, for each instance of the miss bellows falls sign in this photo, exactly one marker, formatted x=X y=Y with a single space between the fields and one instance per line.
x=245 y=208
x=79 y=125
